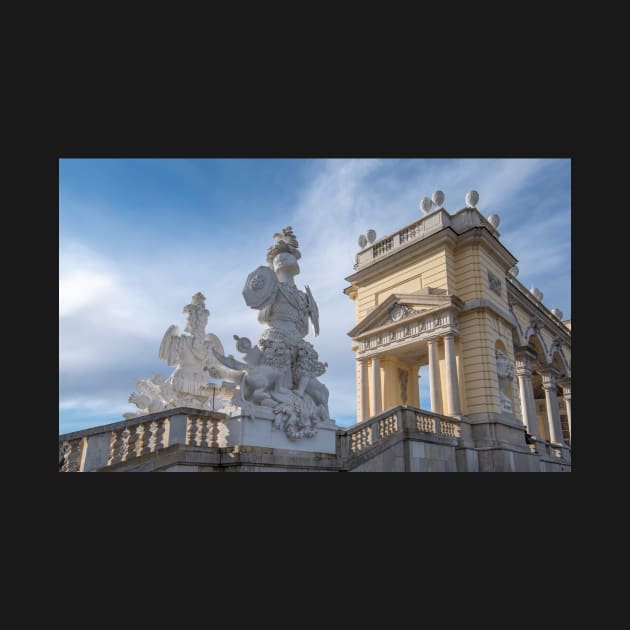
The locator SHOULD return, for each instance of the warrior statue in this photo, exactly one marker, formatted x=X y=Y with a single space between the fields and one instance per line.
x=505 y=373
x=194 y=363
x=281 y=371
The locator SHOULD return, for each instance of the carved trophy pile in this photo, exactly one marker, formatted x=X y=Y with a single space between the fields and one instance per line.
x=281 y=371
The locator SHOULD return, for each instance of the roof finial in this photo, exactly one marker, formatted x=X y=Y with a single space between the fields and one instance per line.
x=472 y=199
x=438 y=199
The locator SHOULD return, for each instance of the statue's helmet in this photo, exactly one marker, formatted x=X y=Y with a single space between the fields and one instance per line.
x=286 y=261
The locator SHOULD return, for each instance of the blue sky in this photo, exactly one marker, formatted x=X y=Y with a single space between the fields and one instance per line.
x=138 y=237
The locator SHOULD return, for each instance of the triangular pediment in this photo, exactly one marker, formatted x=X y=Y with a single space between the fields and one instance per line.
x=399 y=306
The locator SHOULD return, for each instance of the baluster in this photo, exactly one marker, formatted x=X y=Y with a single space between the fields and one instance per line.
x=222 y=434
x=213 y=432
x=116 y=446
x=371 y=434
x=191 y=431
x=126 y=434
x=63 y=452
x=72 y=455
x=132 y=446
x=204 y=431
x=159 y=439
x=75 y=455
x=145 y=438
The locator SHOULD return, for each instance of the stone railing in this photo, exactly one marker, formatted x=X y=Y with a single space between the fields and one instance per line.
x=366 y=435
x=552 y=450
x=91 y=449
x=417 y=230
x=436 y=424
x=427 y=225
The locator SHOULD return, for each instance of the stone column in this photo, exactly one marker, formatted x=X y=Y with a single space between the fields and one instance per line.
x=452 y=386
x=365 y=390
x=434 y=376
x=375 y=388
x=566 y=394
x=553 y=410
x=526 y=390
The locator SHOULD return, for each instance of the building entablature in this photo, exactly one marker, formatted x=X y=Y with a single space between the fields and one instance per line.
x=405 y=318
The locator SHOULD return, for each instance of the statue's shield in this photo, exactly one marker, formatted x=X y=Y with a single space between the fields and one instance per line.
x=260 y=287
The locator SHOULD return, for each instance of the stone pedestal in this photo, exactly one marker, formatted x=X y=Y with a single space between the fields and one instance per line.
x=259 y=431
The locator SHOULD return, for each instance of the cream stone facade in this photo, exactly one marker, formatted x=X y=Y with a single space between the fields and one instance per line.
x=443 y=292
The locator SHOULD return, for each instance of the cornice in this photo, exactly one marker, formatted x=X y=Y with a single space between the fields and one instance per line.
x=537 y=309
x=494 y=247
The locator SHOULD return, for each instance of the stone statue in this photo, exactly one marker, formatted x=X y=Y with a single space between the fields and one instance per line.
x=194 y=362
x=505 y=372
x=151 y=395
x=281 y=372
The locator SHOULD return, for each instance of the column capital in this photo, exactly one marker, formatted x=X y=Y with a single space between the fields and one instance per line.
x=523 y=366
x=548 y=380
x=565 y=383
x=448 y=335
x=433 y=340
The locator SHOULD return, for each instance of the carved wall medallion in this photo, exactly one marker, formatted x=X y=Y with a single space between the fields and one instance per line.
x=495 y=283
x=398 y=312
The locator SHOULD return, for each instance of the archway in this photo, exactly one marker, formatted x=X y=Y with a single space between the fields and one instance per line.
x=535 y=344
x=563 y=392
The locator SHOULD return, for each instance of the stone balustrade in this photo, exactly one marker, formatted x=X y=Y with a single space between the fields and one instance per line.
x=110 y=444
x=425 y=226
x=368 y=434
x=106 y=446
x=436 y=424
x=425 y=438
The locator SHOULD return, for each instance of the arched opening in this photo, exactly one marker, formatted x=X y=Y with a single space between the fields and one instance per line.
x=564 y=376
x=539 y=393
